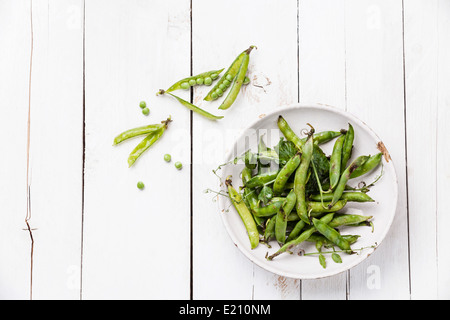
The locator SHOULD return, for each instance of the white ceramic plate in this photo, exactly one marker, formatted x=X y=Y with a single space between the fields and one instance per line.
x=384 y=192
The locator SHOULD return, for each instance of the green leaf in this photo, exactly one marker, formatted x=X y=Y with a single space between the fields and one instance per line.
x=322 y=261
x=266 y=194
x=336 y=258
x=322 y=165
x=286 y=150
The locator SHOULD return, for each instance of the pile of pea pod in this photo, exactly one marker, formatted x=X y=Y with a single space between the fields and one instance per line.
x=302 y=198
x=234 y=77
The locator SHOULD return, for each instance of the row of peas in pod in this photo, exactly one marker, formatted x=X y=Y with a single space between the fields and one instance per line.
x=233 y=78
x=294 y=193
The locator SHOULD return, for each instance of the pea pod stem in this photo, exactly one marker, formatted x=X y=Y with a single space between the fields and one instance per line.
x=192 y=107
x=237 y=84
x=244 y=213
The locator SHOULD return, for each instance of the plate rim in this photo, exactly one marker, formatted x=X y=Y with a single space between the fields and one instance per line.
x=323 y=274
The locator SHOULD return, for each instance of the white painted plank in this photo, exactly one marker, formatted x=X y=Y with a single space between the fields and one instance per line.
x=322 y=80
x=15 y=53
x=374 y=72
x=443 y=151
x=56 y=148
x=421 y=75
x=273 y=70
x=136 y=243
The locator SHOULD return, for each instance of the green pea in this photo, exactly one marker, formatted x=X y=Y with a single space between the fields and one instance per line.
x=214 y=76
x=192 y=82
x=229 y=77
x=246 y=80
x=140 y=185
x=185 y=85
x=208 y=81
x=167 y=157
x=178 y=165
x=219 y=92
x=226 y=83
x=199 y=81
x=222 y=87
x=146 y=111
x=142 y=104
x=214 y=95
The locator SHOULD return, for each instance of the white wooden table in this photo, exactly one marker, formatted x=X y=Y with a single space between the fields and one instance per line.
x=73 y=225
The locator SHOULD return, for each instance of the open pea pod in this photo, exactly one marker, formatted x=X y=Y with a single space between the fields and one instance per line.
x=227 y=78
x=205 y=78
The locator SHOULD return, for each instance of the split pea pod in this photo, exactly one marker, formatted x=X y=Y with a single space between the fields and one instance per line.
x=147 y=142
x=229 y=76
x=323 y=137
x=289 y=134
x=335 y=162
x=368 y=166
x=349 y=196
x=345 y=177
x=302 y=237
x=282 y=217
x=284 y=174
x=261 y=179
x=237 y=84
x=331 y=234
x=244 y=213
x=301 y=177
x=202 y=78
x=347 y=147
x=192 y=107
x=131 y=133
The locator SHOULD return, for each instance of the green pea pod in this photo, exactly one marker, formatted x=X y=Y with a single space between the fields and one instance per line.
x=285 y=173
x=244 y=213
x=146 y=143
x=137 y=132
x=271 y=209
x=250 y=195
x=302 y=237
x=315 y=208
x=288 y=133
x=331 y=234
x=345 y=177
x=237 y=84
x=296 y=230
x=282 y=215
x=184 y=83
x=349 y=196
x=315 y=237
x=335 y=162
x=261 y=179
x=300 y=179
x=323 y=137
x=230 y=73
x=347 y=147
x=270 y=229
x=368 y=166
x=192 y=107
x=347 y=219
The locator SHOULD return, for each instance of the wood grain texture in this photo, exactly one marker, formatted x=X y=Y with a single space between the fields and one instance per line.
x=15 y=66
x=135 y=243
x=56 y=148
